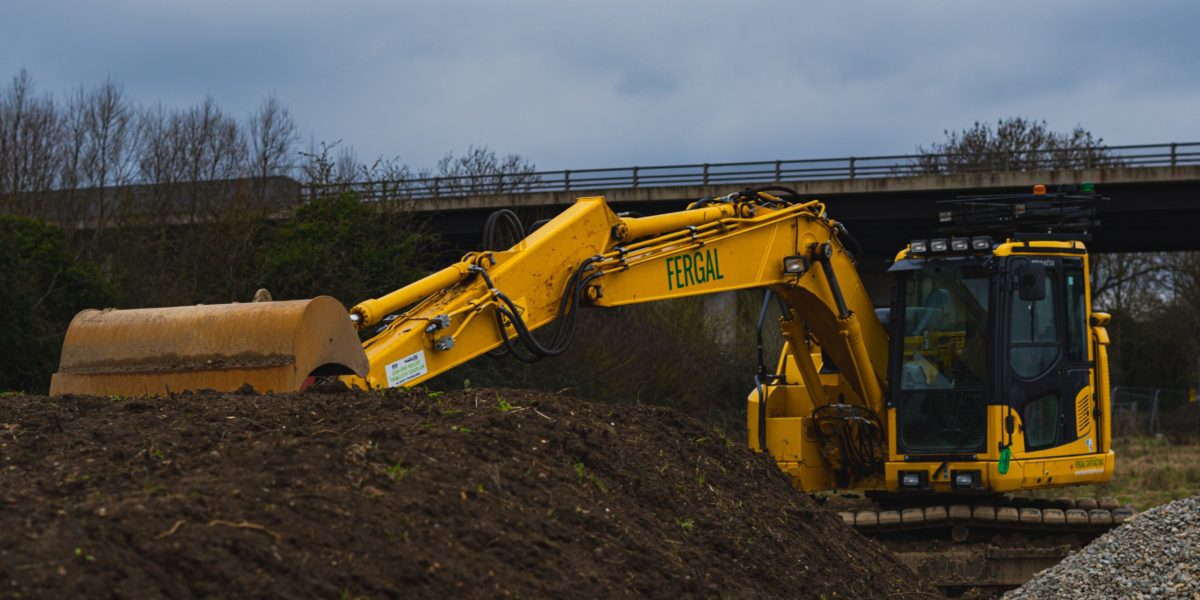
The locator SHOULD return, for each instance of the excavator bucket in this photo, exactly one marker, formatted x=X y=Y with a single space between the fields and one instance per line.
x=272 y=346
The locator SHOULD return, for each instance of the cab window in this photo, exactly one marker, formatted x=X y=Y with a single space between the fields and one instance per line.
x=1076 y=315
x=1034 y=333
x=1040 y=419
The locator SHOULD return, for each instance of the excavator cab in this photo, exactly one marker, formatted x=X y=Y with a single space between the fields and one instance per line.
x=998 y=370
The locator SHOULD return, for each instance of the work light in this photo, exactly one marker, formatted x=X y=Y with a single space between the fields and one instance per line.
x=797 y=265
x=913 y=479
x=966 y=479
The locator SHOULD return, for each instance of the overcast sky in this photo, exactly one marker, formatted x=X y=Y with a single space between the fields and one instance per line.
x=574 y=84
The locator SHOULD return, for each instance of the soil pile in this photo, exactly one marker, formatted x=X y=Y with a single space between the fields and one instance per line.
x=481 y=493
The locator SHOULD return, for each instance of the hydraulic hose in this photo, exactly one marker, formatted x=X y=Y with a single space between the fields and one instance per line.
x=501 y=226
x=509 y=314
x=849 y=242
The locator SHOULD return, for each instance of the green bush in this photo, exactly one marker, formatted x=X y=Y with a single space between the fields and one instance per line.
x=341 y=247
x=42 y=286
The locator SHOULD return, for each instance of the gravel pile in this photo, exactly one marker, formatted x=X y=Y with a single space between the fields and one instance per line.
x=1156 y=554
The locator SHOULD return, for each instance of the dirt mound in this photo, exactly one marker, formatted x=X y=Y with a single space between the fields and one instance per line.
x=480 y=493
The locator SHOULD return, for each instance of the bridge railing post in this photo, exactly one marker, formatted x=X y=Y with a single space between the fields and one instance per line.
x=852 y=161
x=778 y=171
x=635 y=177
x=705 y=173
x=436 y=185
x=567 y=180
x=1174 y=153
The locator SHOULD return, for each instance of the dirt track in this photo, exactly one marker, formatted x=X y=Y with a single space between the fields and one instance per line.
x=479 y=493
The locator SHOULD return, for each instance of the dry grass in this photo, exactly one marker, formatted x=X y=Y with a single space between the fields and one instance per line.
x=1151 y=470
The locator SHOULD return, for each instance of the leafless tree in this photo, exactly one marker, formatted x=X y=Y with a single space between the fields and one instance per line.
x=273 y=137
x=29 y=144
x=210 y=151
x=99 y=152
x=1130 y=283
x=347 y=167
x=330 y=169
x=1016 y=144
x=480 y=171
x=212 y=145
x=1184 y=312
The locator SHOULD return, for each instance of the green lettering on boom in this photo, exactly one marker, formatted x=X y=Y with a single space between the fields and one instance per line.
x=693 y=269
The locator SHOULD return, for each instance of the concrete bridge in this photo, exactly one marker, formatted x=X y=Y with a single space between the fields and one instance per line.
x=884 y=200
x=1150 y=208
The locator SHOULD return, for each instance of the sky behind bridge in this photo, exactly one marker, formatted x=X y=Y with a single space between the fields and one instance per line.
x=576 y=84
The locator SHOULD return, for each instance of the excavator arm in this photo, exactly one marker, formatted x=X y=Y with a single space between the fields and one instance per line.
x=590 y=255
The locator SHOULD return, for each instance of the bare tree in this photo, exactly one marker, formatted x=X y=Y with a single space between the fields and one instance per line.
x=100 y=150
x=29 y=144
x=481 y=171
x=109 y=117
x=211 y=151
x=212 y=144
x=1130 y=283
x=160 y=162
x=347 y=167
x=273 y=138
x=1016 y=144
x=1183 y=312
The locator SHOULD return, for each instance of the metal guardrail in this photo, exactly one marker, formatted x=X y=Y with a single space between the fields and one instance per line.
x=848 y=167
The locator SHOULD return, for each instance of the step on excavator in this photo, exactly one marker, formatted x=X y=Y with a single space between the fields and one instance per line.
x=987 y=374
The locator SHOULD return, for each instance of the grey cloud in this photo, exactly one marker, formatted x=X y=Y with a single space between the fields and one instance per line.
x=645 y=83
x=580 y=84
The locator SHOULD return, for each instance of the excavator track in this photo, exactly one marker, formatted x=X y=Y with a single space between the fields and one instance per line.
x=1084 y=515
x=987 y=546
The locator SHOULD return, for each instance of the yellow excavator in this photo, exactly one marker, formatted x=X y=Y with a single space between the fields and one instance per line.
x=987 y=374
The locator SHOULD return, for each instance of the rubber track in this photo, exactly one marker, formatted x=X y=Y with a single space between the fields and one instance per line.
x=1084 y=515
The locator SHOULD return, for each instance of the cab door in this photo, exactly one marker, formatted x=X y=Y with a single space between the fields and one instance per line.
x=1047 y=365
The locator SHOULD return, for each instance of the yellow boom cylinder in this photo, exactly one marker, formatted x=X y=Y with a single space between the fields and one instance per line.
x=632 y=228
x=271 y=346
x=370 y=312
